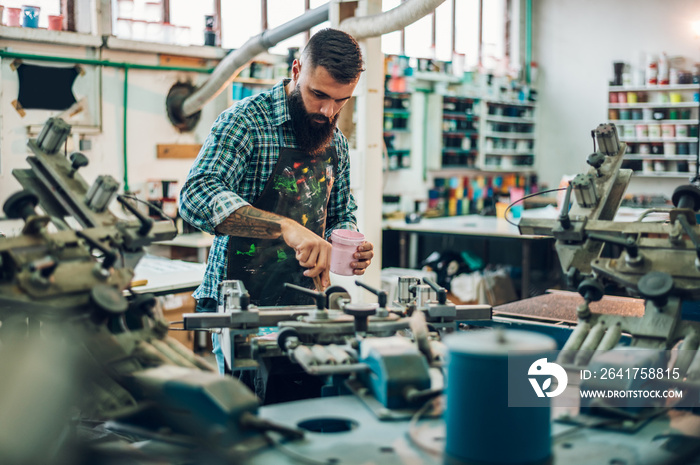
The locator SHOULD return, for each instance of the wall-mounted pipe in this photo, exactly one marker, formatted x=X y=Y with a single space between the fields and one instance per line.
x=528 y=41
x=363 y=27
x=231 y=65
x=359 y=27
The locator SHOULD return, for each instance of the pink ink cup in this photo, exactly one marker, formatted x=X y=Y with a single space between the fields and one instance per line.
x=345 y=243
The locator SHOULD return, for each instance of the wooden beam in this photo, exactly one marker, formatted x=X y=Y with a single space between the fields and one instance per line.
x=177 y=150
x=189 y=62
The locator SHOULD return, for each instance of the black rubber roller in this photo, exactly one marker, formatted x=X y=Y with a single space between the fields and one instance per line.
x=591 y=290
x=656 y=286
x=284 y=335
x=686 y=196
x=108 y=300
x=20 y=205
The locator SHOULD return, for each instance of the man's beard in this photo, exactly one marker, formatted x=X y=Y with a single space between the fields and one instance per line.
x=312 y=136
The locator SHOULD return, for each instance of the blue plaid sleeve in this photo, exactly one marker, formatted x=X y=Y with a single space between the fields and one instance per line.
x=341 y=205
x=209 y=194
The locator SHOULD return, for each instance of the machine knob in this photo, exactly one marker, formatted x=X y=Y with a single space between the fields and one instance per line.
x=143 y=304
x=596 y=159
x=284 y=335
x=108 y=300
x=361 y=313
x=78 y=160
x=687 y=196
x=21 y=205
x=656 y=286
x=245 y=301
x=591 y=290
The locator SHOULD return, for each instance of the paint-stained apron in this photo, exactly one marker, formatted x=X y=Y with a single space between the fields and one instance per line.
x=299 y=188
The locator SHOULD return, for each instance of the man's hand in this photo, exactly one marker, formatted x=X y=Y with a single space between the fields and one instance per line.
x=312 y=252
x=363 y=258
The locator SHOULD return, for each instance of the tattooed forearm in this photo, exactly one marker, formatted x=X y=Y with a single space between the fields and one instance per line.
x=251 y=222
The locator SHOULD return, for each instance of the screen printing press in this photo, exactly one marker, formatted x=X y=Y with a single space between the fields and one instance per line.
x=89 y=374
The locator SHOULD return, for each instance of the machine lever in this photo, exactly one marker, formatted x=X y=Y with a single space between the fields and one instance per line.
x=110 y=256
x=381 y=294
x=146 y=223
x=629 y=243
x=441 y=291
x=564 y=215
x=319 y=296
x=691 y=233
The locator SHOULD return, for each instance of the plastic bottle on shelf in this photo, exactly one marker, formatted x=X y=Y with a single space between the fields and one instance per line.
x=652 y=70
x=663 y=70
x=627 y=75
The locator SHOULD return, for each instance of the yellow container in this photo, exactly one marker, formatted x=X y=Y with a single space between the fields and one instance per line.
x=501 y=210
x=676 y=97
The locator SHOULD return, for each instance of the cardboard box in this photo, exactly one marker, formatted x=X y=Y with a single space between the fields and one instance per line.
x=174 y=306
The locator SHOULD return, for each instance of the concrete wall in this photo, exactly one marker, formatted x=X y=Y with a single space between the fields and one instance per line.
x=574 y=44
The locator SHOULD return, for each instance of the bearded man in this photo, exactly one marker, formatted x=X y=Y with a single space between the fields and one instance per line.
x=272 y=181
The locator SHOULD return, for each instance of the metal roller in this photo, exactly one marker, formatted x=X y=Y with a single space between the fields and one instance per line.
x=611 y=338
x=322 y=355
x=178 y=347
x=568 y=352
x=173 y=355
x=149 y=355
x=304 y=356
x=693 y=372
x=439 y=351
x=686 y=352
x=590 y=344
x=341 y=357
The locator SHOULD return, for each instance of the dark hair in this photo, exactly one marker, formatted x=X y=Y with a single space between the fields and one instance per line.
x=337 y=51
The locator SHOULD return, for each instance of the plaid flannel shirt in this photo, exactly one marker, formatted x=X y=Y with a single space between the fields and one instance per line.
x=233 y=167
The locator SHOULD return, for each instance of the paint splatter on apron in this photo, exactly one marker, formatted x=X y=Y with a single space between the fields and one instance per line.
x=299 y=188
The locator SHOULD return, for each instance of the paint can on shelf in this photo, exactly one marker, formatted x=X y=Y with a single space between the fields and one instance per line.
x=654 y=131
x=668 y=131
x=642 y=131
x=30 y=16
x=669 y=149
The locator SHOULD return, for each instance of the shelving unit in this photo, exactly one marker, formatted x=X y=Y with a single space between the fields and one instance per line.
x=397 y=132
x=484 y=136
x=243 y=87
x=507 y=136
x=659 y=125
x=460 y=132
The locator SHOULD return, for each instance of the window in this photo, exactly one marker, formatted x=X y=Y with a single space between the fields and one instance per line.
x=237 y=28
x=493 y=50
x=419 y=38
x=467 y=31
x=315 y=4
x=443 y=36
x=280 y=12
x=190 y=16
x=391 y=43
x=47 y=7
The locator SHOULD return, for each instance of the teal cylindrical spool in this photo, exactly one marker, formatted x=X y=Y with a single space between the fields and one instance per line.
x=478 y=419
